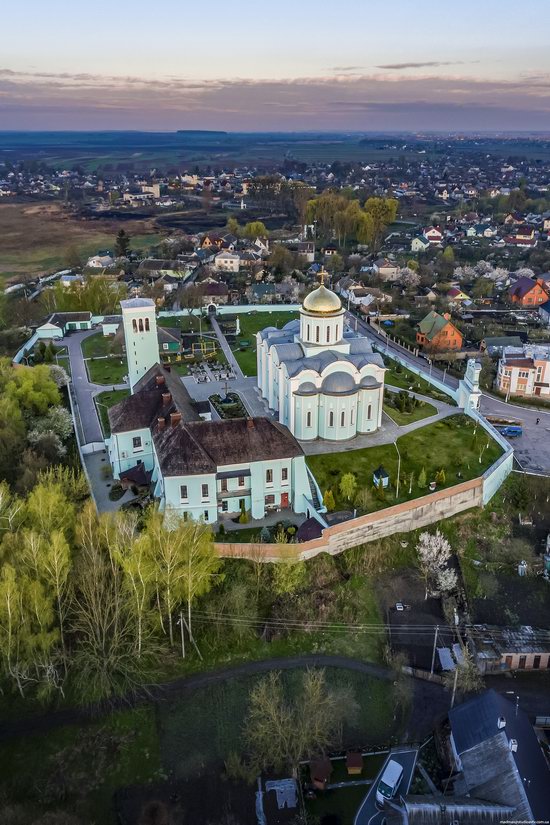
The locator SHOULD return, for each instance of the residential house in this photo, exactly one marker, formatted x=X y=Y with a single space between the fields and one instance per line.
x=497 y=344
x=436 y=332
x=456 y=296
x=511 y=648
x=434 y=235
x=514 y=219
x=226 y=261
x=100 y=262
x=307 y=250
x=524 y=376
x=262 y=293
x=528 y=292
x=499 y=757
x=386 y=269
x=544 y=312
x=420 y=244
x=214 y=292
x=210 y=240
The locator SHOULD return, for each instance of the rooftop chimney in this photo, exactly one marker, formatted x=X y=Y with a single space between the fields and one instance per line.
x=501 y=722
x=160 y=380
x=161 y=423
x=175 y=419
x=166 y=397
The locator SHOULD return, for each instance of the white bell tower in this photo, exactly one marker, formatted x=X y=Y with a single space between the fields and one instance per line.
x=140 y=337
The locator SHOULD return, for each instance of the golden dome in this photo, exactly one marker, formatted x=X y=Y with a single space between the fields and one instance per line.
x=322 y=301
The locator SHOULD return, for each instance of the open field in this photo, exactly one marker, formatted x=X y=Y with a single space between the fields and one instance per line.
x=452 y=444
x=250 y=324
x=37 y=238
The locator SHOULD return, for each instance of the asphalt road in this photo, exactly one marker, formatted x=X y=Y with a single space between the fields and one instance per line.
x=532 y=449
x=368 y=813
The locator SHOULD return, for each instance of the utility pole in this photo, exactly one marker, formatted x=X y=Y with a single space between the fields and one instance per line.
x=433 y=652
x=398 y=469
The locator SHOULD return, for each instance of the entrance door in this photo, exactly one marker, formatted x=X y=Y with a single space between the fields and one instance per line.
x=537 y=390
x=284 y=500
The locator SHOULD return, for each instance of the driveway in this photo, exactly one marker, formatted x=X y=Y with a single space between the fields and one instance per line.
x=84 y=390
x=368 y=813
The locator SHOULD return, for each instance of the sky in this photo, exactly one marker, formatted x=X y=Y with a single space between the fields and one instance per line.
x=281 y=65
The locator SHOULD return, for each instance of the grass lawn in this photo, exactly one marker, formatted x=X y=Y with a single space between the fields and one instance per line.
x=250 y=324
x=98 y=345
x=344 y=802
x=80 y=767
x=105 y=400
x=200 y=730
x=185 y=323
x=453 y=443
x=425 y=410
x=405 y=380
x=107 y=370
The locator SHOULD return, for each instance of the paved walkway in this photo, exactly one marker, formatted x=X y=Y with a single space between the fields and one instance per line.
x=101 y=482
x=226 y=349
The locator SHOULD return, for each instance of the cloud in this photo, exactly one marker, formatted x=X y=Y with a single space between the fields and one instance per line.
x=353 y=101
x=421 y=65
x=346 y=68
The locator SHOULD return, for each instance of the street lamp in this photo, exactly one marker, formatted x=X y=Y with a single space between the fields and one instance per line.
x=398 y=469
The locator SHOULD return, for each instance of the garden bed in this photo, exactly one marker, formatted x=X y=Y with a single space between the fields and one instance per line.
x=233 y=409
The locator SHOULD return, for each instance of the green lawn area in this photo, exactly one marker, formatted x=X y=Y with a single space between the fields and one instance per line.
x=78 y=768
x=105 y=400
x=425 y=410
x=185 y=323
x=250 y=324
x=454 y=444
x=200 y=730
x=107 y=370
x=397 y=376
x=98 y=345
x=344 y=802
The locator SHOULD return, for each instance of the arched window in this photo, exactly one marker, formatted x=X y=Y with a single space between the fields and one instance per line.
x=337 y=335
x=316 y=335
x=331 y=419
x=140 y=324
x=343 y=419
x=134 y=324
x=147 y=325
x=369 y=411
x=308 y=419
x=328 y=334
x=352 y=416
x=308 y=332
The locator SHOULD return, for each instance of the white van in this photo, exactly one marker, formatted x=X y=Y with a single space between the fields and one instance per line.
x=389 y=782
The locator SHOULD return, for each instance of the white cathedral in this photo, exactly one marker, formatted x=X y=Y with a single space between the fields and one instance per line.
x=323 y=379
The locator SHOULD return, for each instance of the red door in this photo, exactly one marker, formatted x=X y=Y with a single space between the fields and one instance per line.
x=284 y=500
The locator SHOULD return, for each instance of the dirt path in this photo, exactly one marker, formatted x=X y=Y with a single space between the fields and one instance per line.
x=430 y=700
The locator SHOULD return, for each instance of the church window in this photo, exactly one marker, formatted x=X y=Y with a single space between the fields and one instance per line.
x=343 y=419
x=147 y=325
x=269 y=476
x=316 y=335
x=140 y=324
x=328 y=334
x=352 y=417
x=134 y=324
x=337 y=335
x=308 y=332
x=308 y=419
x=331 y=419
x=369 y=411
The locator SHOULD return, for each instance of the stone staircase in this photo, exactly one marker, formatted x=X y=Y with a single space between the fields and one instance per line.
x=314 y=495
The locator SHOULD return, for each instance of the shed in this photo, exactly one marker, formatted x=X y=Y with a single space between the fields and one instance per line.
x=320 y=771
x=354 y=763
x=380 y=475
